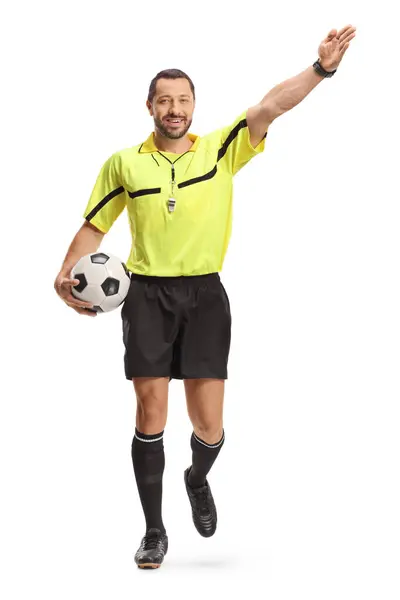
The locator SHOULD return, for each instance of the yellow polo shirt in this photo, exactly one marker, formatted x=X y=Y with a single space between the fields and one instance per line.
x=194 y=237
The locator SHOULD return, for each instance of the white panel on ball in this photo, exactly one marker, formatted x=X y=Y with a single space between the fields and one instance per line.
x=111 y=302
x=91 y=293
x=94 y=273
x=83 y=265
x=115 y=268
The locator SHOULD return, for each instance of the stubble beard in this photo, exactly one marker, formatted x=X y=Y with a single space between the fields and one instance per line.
x=171 y=134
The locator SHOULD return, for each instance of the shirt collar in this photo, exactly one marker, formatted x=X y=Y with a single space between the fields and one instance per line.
x=149 y=145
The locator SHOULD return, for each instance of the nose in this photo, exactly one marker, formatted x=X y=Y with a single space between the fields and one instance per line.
x=174 y=107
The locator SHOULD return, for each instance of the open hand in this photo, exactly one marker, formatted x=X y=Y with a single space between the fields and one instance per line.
x=332 y=48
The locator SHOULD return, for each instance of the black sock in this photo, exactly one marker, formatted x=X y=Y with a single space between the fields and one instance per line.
x=148 y=463
x=203 y=458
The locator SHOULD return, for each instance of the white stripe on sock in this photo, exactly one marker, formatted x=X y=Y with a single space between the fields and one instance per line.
x=210 y=445
x=142 y=440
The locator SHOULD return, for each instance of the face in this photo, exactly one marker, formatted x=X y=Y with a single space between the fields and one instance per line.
x=173 y=100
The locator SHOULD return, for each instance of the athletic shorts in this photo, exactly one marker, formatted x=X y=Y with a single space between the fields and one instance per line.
x=176 y=327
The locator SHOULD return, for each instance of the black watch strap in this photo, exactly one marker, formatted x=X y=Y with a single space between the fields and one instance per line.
x=321 y=71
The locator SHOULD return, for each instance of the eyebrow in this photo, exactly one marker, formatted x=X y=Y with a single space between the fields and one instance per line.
x=169 y=96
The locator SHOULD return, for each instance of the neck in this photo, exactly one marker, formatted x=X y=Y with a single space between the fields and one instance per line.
x=175 y=146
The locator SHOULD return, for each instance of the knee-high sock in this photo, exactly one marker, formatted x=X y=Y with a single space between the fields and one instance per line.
x=148 y=463
x=203 y=458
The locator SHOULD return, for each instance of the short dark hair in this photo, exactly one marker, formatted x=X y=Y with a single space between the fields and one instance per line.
x=168 y=74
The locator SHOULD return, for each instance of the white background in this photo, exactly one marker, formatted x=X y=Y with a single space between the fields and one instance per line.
x=307 y=484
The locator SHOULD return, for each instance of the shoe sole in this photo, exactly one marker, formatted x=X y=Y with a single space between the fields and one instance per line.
x=149 y=566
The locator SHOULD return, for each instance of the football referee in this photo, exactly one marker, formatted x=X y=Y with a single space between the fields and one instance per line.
x=176 y=320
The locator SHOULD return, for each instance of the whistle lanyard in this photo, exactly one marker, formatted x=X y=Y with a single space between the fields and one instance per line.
x=172 y=199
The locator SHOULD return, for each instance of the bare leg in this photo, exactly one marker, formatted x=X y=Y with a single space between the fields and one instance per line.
x=205 y=400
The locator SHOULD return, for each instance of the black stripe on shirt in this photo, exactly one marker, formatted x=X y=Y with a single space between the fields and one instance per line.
x=144 y=192
x=208 y=175
x=103 y=202
x=221 y=153
x=234 y=133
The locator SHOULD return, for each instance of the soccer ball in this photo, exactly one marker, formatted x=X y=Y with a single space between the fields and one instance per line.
x=103 y=281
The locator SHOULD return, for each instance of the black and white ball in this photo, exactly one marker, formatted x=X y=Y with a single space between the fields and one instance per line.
x=104 y=281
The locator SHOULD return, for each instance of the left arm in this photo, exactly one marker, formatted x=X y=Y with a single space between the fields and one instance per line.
x=289 y=93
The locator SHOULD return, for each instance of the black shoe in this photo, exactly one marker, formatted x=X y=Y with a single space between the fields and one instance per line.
x=152 y=550
x=203 y=508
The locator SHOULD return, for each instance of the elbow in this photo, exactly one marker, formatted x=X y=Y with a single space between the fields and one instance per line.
x=277 y=104
x=93 y=228
x=269 y=110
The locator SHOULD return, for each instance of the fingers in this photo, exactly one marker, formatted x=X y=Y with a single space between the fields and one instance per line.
x=346 y=40
x=63 y=287
x=70 y=282
x=83 y=311
x=343 y=30
x=343 y=50
x=330 y=35
x=72 y=300
x=65 y=292
x=65 y=283
x=345 y=33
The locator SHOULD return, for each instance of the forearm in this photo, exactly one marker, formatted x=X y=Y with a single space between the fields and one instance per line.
x=289 y=93
x=86 y=241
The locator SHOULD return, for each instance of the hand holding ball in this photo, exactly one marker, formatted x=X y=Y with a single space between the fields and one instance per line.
x=103 y=281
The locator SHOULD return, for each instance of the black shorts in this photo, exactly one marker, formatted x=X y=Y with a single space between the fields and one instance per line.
x=176 y=327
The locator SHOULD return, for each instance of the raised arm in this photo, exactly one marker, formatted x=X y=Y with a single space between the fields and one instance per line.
x=289 y=93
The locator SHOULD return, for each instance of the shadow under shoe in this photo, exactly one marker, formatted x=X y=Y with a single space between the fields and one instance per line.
x=204 y=512
x=153 y=548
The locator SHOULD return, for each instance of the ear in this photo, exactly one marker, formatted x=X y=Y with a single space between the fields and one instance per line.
x=150 y=108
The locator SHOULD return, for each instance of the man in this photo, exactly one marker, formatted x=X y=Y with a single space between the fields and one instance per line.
x=177 y=188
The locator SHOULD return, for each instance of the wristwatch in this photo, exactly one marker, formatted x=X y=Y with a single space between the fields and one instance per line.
x=321 y=71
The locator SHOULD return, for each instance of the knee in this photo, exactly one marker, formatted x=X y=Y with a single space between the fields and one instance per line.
x=151 y=414
x=210 y=433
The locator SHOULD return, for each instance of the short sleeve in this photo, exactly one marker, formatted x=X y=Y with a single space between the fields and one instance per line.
x=236 y=149
x=107 y=200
